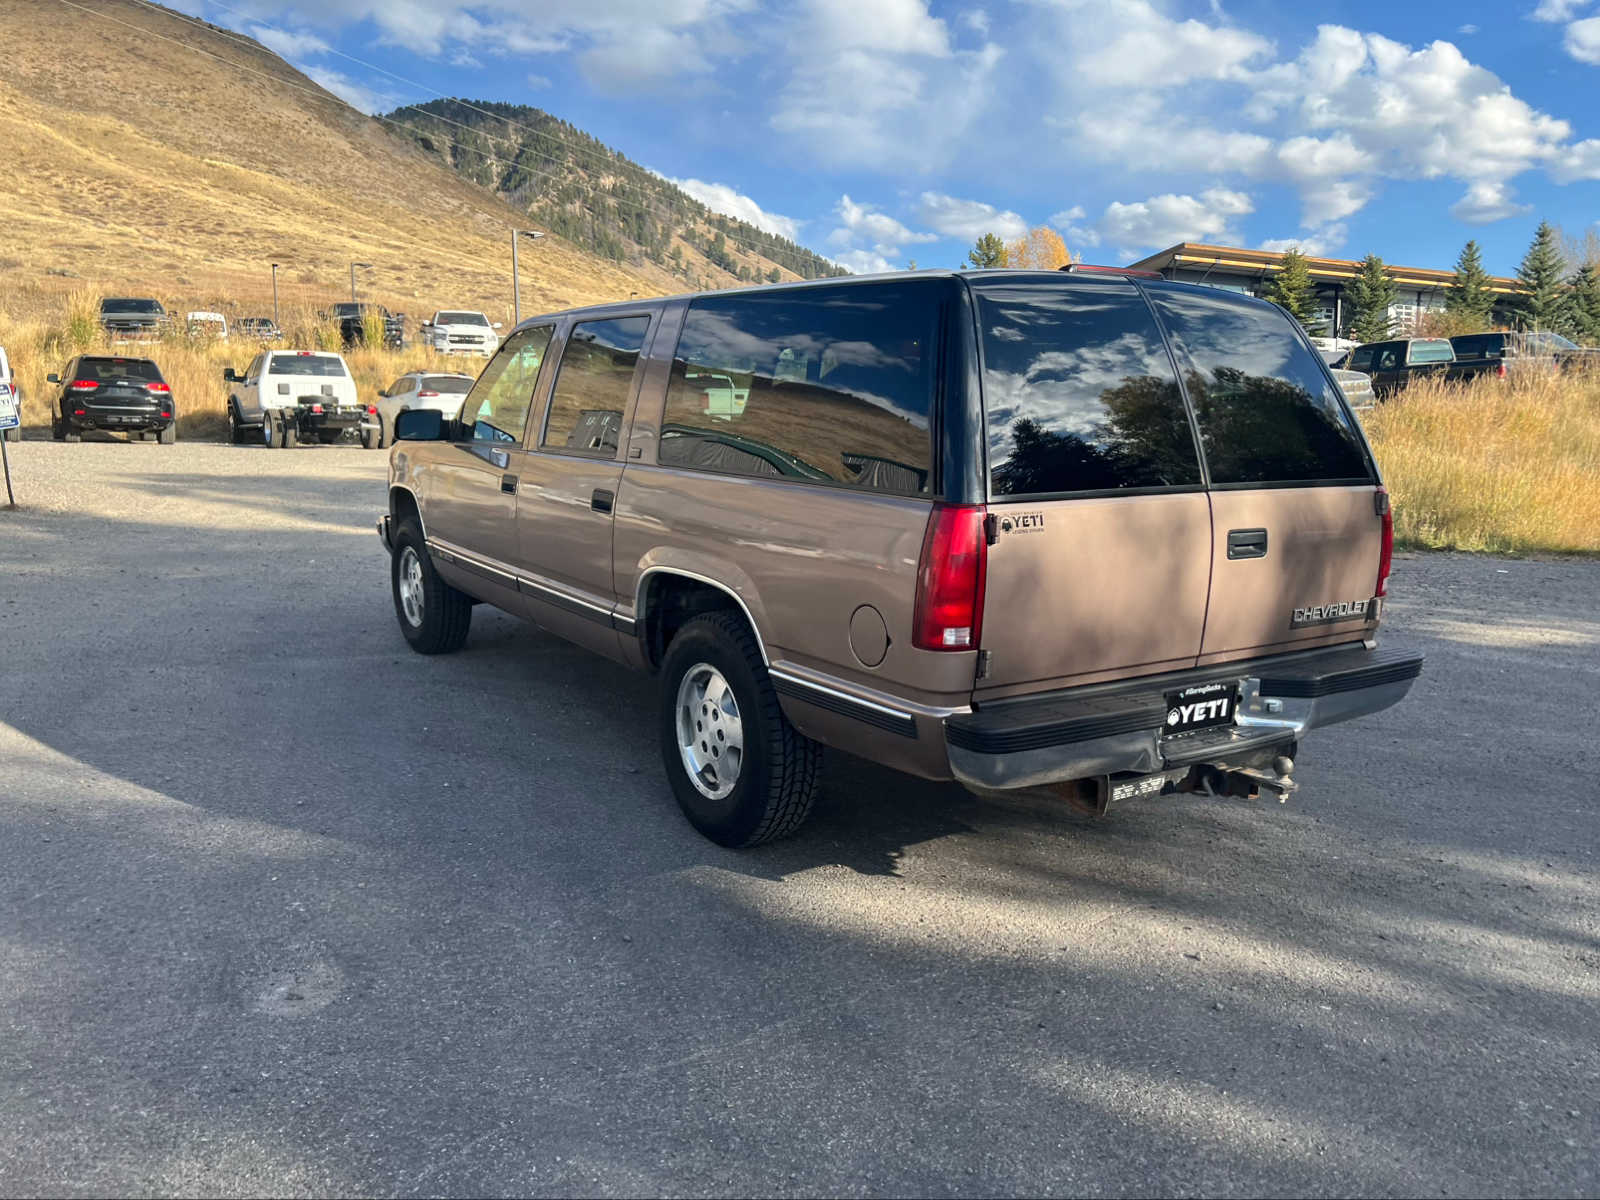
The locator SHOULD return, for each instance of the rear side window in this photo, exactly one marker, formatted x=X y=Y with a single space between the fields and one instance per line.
x=1080 y=393
x=325 y=365
x=1268 y=413
x=450 y=385
x=1431 y=352
x=104 y=369
x=831 y=385
x=592 y=386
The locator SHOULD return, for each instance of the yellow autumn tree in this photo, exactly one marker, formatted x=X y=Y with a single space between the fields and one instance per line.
x=1041 y=250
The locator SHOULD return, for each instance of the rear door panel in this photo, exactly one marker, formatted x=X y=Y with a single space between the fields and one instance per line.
x=1321 y=553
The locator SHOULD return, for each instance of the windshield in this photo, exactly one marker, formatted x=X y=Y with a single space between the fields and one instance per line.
x=306 y=364
x=148 y=307
x=461 y=318
x=1551 y=341
x=1431 y=351
x=453 y=385
x=106 y=369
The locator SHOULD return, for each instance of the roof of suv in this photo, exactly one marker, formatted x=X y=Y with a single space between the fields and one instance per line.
x=1097 y=278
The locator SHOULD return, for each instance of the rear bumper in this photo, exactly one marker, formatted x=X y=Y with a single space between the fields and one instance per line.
x=112 y=418
x=1110 y=730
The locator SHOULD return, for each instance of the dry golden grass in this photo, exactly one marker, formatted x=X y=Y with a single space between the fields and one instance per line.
x=1506 y=466
x=42 y=338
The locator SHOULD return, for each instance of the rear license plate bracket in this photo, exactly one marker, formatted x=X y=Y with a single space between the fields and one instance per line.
x=1204 y=706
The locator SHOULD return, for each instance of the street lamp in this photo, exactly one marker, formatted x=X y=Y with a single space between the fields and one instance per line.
x=274 y=295
x=353 y=266
x=516 y=290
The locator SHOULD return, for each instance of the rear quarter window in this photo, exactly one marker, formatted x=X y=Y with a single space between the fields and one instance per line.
x=826 y=385
x=1267 y=411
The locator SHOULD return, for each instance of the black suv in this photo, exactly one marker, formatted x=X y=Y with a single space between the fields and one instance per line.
x=133 y=319
x=125 y=395
x=352 y=318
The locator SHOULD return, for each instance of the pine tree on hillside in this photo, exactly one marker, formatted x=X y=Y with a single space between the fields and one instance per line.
x=1469 y=296
x=1583 y=305
x=988 y=251
x=1543 y=302
x=1371 y=294
x=1291 y=288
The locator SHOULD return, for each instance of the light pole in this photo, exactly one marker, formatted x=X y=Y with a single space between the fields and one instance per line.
x=353 y=266
x=274 y=295
x=516 y=290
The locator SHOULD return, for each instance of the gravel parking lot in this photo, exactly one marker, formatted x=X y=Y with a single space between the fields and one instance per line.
x=285 y=908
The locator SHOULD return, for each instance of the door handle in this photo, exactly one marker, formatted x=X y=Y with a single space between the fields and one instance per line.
x=1247 y=543
x=508 y=484
x=602 y=500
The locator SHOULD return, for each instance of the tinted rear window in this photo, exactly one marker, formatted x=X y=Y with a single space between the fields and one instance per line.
x=141 y=307
x=830 y=385
x=1080 y=392
x=453 y=385
x=1431 y=352
x=327 y=365
x=1480 y=345
x=105 y=369
x=1268 y=412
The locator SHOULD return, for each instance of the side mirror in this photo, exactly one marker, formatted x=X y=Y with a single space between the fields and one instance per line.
x=52 y=378
x=229 y=375
x=421 y=425
x=499 y=325
x=384 y=392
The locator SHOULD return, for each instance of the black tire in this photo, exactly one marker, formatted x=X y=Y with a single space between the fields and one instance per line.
x=12 y=435
x=269 y=431
x=169 y=435
x=238 y=431
x=289 y=438
x=779 y=770
x=72 y=435
x=371 y=439
x=58 y=428
x=446 y=613
x=383 y=434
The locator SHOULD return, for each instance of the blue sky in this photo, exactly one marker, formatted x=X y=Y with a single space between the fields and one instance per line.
x=880 y=131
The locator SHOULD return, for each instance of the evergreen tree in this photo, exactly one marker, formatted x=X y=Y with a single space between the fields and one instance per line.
x=1291 y=288
x=1542 y=304
x=1469 y=296
x=1371 y=294
x=1583 y=305
x=988 y=251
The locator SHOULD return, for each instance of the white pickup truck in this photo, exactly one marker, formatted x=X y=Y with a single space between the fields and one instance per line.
x=459 y=332
x=285 y=397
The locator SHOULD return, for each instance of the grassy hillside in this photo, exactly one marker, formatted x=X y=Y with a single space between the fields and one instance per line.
x=583 y=190
x=146 y=154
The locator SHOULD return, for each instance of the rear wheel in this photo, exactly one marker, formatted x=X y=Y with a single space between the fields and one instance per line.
x=289 y=438
x=269 y=431
x=434 y=617
x=740 y=771
x=169 y=435
x=58 y=428
x=371 y=439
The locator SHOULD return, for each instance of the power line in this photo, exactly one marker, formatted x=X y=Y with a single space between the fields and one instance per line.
x=607 y=159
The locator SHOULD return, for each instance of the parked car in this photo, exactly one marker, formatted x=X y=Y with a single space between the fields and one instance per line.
x=1393 y=364
x=1333 y=349
x=285 y=397
x=207 y=325
x=458 y=332
x=263 y=328
x=115 y=394
x=960 y=524
x=134 y=319
x=10 y=393
x=1507 y=351
x=1357 y=388
x=352 y=319
x=420 y=389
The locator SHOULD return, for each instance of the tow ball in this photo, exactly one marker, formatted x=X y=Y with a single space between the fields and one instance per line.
x=1249 y=782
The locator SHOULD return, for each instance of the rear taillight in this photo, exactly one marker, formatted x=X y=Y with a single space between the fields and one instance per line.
x=83 y=385
x=371 y=409
x=1386 y=548
x=950 y=579
x=1500 y=371
x=316 y=408
x=159 y=388
x=426 y=395
x=80 y=412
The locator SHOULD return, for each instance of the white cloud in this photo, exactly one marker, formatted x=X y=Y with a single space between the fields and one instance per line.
x=1134 y=45
x=719 y=197
x=539 y=82
x=864 y=262
x=864 y=224
x=1582 y=40
x=1487 y=201
x=1467 y=30
x=1317 y=244
x=1167 y=219
x=1558 y=11
x=967 y=219
x=356 y=95
x=288 y=44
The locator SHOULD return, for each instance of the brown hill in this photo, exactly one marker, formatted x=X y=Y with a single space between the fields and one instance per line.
x=149 y=154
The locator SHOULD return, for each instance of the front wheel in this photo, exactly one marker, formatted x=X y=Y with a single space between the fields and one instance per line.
x=434 y=617
x=740 y=771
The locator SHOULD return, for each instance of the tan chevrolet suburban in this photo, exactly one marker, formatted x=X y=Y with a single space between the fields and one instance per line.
x=1094 y=533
